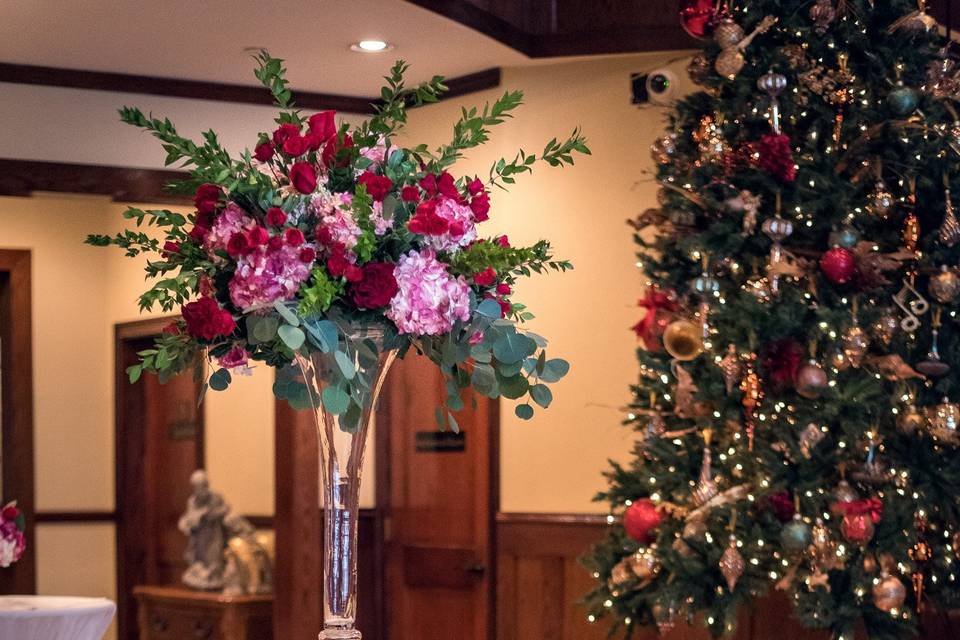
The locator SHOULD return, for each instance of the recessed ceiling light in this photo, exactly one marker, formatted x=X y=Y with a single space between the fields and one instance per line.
x=371 y=46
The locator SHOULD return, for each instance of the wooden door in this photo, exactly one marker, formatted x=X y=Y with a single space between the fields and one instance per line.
x=438 y=496
x=16 y=409
x=159 y=444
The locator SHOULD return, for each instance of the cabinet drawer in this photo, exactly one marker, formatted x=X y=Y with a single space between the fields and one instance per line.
x=174 y=623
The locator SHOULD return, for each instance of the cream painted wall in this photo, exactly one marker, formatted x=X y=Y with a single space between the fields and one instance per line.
x=554 y=463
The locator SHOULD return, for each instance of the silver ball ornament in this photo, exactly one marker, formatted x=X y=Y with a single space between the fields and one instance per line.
x=796 y=535
x=945 y=286
x=811 y=380
x=889 y=593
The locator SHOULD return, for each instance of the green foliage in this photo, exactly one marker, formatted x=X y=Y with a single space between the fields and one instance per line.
x=555 y=154
x=319 y=293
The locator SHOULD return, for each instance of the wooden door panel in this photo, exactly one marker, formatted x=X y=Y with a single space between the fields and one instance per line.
x=438 y=504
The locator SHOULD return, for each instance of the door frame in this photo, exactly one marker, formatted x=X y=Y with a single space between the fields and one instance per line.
x=129 y=445
x=17 y=418
x=383 y=466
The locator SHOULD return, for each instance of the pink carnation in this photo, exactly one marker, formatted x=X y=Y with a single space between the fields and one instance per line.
x=266 y=275
x=462 y=229
x=429 y=299
x=231 y=220
x=376 y=153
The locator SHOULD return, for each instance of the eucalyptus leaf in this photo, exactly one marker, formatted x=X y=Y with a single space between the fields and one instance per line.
x=454 y=425
x=489 y=308
x=345 y=364
x=514 y=388
x=524 y=411
x=541 y=394
x=513 y=347
x=286 y=313
x=220 y=380
x=483 y=378
x=263 y=329
x=554 y=370
x=292 y=336
x=324 y=334
x=336 y=400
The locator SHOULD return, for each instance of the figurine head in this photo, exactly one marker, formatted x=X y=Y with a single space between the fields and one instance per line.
x=199 y=482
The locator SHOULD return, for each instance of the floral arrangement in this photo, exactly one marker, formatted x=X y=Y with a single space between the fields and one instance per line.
x=324 y=227
x=12 y=541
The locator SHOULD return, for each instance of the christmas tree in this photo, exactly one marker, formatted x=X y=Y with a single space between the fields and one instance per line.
x=795 y=410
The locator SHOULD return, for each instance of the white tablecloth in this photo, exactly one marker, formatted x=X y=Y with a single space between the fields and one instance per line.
x=54 y=618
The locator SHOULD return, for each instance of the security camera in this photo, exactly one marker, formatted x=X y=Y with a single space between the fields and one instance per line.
x=658 y=87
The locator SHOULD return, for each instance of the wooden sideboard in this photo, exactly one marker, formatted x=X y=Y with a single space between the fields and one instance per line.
x=173 y=613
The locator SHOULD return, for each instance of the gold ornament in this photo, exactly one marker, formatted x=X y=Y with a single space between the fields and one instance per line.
x=869 y=562
x=682 y=340
x=811 y=380
x=645 y=565
x=822 y=13
x=699 y=68
x=884 y=328
x=728 y=33
x=949 y=233
x=945 y=286
x=619 y=576
x=709 y=139
x=731 y=367
x=943 y=419
x=751 y=395
x=664 y=148
x=909 y=421
x=837 y=360
x=911 y=232
x=732 y=564
x=855 y=346
x=880 y=202
x=918 y=21
x=823 y=550
x=889 y=593
x=729 y=63
x=706 y=486
x=810 y=437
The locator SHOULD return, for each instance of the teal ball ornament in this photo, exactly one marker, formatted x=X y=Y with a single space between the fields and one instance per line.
x=796 y=536
x=902 y=101
x=845 y=236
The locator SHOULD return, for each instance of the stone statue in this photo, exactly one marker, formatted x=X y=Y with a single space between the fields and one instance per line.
x=248 y=557
x=203 y=524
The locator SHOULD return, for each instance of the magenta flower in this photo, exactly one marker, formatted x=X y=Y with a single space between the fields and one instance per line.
x=462 y=228
x=231 y=221
x=266 y=275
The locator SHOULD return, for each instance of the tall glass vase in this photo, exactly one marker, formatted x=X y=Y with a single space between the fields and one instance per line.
x=342 y=440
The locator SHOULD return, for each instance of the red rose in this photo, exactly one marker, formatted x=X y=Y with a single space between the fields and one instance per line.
x=285 y=131
x=486 y=277
x=10 y=512
x=237 y=245
x=337 y=263
x=259 y=236
x=206 y=198
x=303 y=177
x=353 y=273
x=377 y=286
x=480 y=205
x=333 y=147
x=503 y=289
x=475 y=187
x=275 y=243
x=293 y=237
x=322 y=126
x=264 y=151
x=171 y=248
x=377 y=186
x=504 y=242
x=276 y=217
x=295 y=145
x=206 y=320
x=447 y=187
x=323 y=236
x=505 y=307
x=426 y=221
x=308 y=255
x=410 y=194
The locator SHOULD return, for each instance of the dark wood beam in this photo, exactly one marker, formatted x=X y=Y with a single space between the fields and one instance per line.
x=74 y=517
x=123 y=184
x=199 y=90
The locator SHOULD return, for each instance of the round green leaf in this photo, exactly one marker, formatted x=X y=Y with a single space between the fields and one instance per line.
x=524 y=411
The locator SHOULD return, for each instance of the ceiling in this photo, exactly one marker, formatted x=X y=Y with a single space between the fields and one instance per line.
x=191 y=40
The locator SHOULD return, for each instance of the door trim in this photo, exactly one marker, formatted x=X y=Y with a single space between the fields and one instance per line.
x=17 y=416
x=129 y=440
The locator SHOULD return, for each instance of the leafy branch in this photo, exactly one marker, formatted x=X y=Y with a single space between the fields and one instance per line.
x=555 y=154
x=509 y=262
x=273 y=75
x=395 y=98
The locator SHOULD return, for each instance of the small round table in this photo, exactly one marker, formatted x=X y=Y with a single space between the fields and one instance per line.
x=54 y=617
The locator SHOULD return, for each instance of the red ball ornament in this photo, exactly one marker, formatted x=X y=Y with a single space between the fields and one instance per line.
x=640 y=519
x=857 y=528
x=839 y=265
x=698 y=17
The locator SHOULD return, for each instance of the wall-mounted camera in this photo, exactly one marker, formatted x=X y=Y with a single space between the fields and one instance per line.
x=657 y=87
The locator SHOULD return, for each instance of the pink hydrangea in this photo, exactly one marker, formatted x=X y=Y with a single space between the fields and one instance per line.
x=376 y=153
x=266 y=275
x=12 y=543
x=429 y=299
x=231 y=220
x=462 y=231
x=380 y=224
x=336 y=216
